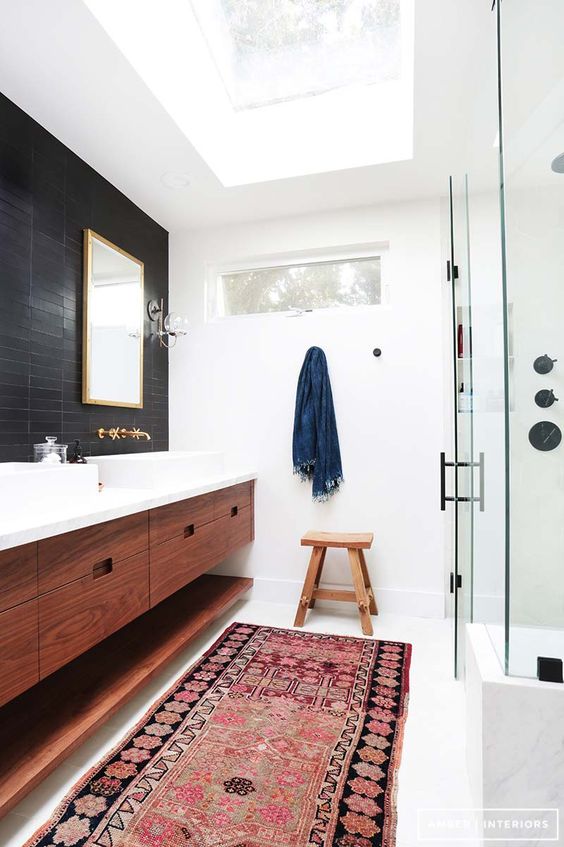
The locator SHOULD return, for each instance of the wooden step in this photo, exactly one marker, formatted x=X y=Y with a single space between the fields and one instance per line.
x=43 y=726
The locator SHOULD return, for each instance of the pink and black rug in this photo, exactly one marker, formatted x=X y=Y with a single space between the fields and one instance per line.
x=274 y=738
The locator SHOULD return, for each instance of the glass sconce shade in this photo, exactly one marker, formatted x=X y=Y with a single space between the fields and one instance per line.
x=175 y=324
x=170 y=327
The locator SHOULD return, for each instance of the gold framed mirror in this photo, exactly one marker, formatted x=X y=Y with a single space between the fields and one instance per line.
x=112 y=358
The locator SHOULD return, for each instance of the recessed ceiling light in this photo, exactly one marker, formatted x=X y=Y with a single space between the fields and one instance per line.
x=175 y=179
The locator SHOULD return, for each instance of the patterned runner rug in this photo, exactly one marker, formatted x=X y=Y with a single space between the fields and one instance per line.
x=274 y=738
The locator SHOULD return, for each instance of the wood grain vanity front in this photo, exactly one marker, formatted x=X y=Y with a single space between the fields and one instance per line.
x=19 y=668
x=73 y=555
x=62 y=595
x=172 y=521
x=75 y=617
x=239 y=529
x=192 y=536
x=180 y=560
x=228 y=501
x=18 y=575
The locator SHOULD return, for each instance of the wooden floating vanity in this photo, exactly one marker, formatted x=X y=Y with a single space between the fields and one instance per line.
x=88 y=616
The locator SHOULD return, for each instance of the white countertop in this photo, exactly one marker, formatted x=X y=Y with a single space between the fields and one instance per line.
x=35 y=523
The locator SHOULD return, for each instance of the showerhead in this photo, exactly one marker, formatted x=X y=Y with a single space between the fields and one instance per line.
x=558 y=164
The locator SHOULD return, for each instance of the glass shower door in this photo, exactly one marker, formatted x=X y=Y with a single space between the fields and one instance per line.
x=531 y=84
x=464 y=411
x=492 y=361
x=481 y=367
x=462 y=494
x=476 y=479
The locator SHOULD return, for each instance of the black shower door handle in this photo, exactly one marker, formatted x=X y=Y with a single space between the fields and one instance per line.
x=480 y=499
x=444 y=465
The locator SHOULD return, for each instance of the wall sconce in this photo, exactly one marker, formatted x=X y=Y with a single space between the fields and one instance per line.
x=170 y=327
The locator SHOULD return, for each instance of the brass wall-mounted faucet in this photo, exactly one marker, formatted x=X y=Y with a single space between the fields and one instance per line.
x=117 y=432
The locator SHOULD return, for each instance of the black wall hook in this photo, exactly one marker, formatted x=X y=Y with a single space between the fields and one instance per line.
x=377 y=352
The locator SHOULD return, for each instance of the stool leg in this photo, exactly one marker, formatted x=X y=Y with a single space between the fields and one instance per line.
x=362 y=598
x=318 y=574
x=367 y=583
x=309 y=584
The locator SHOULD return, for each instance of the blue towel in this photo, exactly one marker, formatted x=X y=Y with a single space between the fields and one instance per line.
x=316 y=450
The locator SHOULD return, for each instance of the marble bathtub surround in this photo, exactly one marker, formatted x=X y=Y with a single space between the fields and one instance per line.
x=514 y=735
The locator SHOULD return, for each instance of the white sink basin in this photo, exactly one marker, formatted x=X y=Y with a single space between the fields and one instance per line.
x=170 y=469
x=24 y=484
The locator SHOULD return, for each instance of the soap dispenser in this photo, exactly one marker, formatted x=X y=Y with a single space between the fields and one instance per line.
x=76 y=457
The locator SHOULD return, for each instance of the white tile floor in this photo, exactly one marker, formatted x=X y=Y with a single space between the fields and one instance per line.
x=433 y=770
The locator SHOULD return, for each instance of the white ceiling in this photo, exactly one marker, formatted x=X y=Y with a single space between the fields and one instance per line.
x=60 y=66
x=296 y=137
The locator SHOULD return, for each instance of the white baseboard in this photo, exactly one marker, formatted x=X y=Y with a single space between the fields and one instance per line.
x=421 y=604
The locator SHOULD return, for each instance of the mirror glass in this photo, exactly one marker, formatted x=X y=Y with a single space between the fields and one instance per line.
x=113 y=325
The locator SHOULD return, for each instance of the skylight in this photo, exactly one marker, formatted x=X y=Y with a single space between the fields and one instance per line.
x=270 y=51
x=271 y=89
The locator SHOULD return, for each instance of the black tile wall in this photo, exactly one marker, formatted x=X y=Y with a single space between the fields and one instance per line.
x=47 y=197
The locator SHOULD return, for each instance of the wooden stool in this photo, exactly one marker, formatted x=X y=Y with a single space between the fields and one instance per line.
x=356 y=543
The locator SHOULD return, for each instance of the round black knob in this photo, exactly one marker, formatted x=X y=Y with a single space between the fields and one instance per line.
x=545 y=436
x=377 y=352
x=545 y=398
x=544 y=364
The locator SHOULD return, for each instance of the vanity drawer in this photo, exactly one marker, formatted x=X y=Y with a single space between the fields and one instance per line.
x=18 y=575
x=19 y=668
x=233 y=499
x=177 y=562
x=67 y=557
x=240 y=530
x=77 y=616
x=172 y=521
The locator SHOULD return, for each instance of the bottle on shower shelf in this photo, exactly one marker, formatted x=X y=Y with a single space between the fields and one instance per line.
x=465 y=399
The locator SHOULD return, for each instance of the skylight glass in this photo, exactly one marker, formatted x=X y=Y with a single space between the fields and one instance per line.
x=272 y=51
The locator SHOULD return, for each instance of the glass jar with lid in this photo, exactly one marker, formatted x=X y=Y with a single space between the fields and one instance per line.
x=49 y=452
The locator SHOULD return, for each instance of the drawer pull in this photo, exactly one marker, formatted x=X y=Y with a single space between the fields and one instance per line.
x=234 y=511
x=189 y=530
x=102 y=568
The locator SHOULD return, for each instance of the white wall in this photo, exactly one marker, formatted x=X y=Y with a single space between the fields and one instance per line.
x=233 y=388
x=535 y=245
x=535 y=258
x=533 y=98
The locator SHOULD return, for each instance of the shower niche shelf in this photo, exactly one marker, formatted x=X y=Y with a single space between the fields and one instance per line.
x=486 y=368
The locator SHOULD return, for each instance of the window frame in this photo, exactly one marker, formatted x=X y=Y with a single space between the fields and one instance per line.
x=349 y=253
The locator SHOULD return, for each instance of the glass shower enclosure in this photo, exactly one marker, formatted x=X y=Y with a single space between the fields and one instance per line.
x=505 y=478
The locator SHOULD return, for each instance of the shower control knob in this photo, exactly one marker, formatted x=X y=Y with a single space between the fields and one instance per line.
x=545 y=398
x=544 y=364
x=545 y=436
